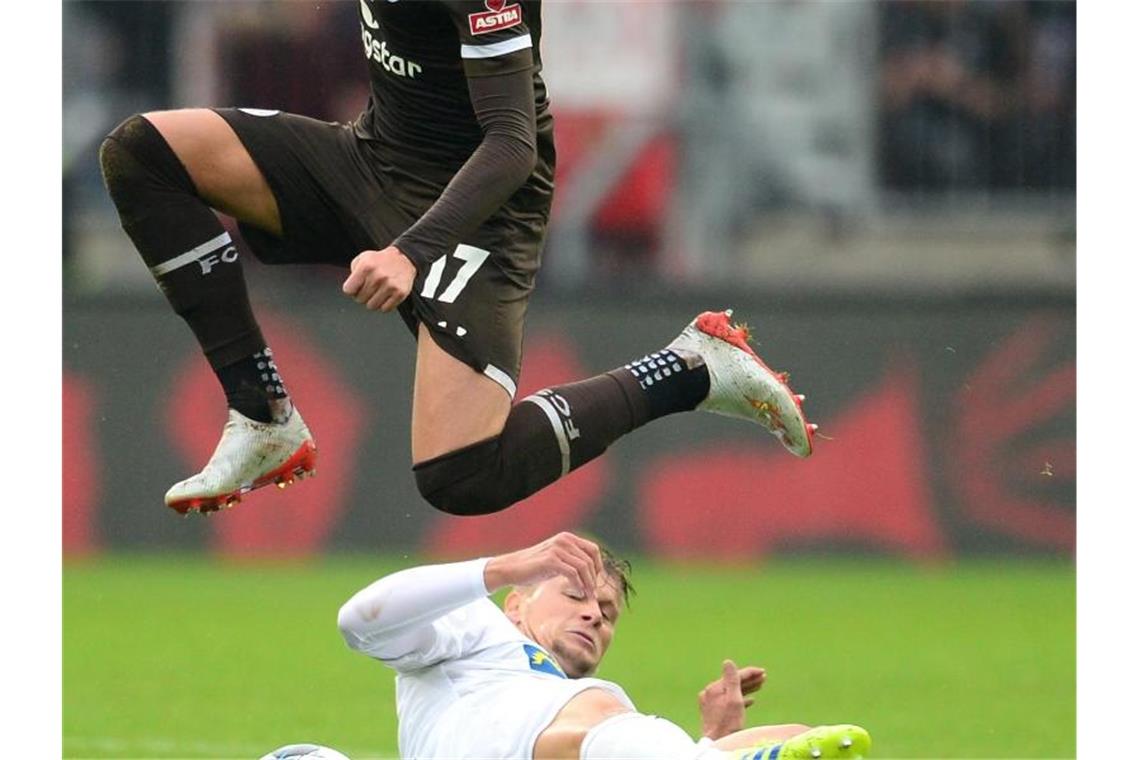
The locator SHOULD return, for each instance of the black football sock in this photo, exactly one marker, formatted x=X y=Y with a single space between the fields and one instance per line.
x=254 y=388
x=559 y=429
x=671 y=382
x=192 y=257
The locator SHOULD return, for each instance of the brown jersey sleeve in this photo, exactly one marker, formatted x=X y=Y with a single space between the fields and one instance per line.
x=493 y=36
x=504 y=106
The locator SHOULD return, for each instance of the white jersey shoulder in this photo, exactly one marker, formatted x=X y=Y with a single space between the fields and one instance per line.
x=482 y=689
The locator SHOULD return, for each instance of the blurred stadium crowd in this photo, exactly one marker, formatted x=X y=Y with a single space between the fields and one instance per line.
x=978 y=95
x=697 y=139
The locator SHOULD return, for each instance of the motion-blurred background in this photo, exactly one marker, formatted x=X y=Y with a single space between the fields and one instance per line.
x=885 y=192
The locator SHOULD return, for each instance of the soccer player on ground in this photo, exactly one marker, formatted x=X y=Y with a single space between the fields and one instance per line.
x=478 y=681
x=474 y=681
x=436 y=198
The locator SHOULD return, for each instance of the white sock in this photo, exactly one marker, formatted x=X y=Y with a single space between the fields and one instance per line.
x=633 y=736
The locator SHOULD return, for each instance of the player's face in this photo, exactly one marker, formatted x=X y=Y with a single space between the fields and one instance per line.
x=573 y=628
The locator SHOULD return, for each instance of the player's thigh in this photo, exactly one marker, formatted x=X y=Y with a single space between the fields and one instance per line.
x=453 y=405
x=333 y=197
x=468 y=309
x=219 y=165
x=563 y=736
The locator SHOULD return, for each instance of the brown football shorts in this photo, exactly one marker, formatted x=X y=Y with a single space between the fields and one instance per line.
x=338 y=195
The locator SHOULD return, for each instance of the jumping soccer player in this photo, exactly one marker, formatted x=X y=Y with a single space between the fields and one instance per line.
x=436 y=198
x=474 y=681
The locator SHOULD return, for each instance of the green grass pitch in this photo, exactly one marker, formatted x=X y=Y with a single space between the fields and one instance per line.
x=186 y=657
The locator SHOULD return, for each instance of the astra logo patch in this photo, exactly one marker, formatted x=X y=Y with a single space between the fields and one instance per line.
x=498 y=16
x=541 y=661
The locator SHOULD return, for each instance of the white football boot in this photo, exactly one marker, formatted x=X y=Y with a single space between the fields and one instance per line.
x=250 y=455
x=741 y=385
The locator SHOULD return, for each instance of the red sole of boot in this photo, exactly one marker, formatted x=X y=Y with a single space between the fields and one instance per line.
x=300 y=465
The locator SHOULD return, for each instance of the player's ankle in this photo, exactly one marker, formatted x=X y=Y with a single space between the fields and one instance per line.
x=280 y=410
x=672 y=381
x=276 y=411
x=254 y=388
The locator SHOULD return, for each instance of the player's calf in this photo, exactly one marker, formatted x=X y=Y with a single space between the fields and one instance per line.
x=633 y=736
x=195 y=263
x=550 y=433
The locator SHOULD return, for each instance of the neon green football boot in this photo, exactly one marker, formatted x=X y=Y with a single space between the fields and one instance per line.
x=841 y=742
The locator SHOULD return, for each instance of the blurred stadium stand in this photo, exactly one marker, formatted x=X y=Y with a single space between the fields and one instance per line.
x=863 y=167
x=814 y=144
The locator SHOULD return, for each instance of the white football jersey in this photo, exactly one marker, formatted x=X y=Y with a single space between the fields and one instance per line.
x=480 y=688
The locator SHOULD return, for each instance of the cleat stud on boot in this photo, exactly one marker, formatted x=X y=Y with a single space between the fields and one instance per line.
x=845 y=742
x=815 y=752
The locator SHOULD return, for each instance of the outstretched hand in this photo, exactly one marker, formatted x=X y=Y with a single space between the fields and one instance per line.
x=724 y=700
x=380 y=280
x=565 y=554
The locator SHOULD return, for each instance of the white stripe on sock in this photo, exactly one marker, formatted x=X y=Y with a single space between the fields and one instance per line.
x=559 y=432
x=193 y=254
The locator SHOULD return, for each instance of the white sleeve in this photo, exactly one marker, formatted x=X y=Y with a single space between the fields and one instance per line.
x=396 y=615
